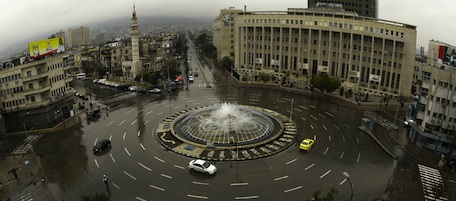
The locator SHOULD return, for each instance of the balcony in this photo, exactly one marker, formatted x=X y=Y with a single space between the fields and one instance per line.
x=36 y=91
x=34 y=77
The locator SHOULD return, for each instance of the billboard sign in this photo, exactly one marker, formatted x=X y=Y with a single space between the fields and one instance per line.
x=447 y=55
x=374 y=78
x=352 y=73
x=46 y=47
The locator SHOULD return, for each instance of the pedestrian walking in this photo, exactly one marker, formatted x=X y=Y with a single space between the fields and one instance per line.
x=105 y=179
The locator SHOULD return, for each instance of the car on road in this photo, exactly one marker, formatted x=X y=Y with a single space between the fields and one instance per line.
x=93 y=114
x=202 y=166
x=190 y=78
x=306 y=144
x=155 y=91
x=101 y=145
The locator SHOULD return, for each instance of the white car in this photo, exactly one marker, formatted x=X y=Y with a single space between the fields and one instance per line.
x=155 y=90
x=202 y=166
x=190 y=78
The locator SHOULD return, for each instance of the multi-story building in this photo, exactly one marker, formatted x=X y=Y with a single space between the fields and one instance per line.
x=368 y=55
x=36 y=93
x=433 y=110
x=368 y=8
x=223 y=32
x=79 y=36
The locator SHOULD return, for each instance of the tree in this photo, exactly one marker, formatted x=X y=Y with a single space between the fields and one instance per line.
x=227 y=62
x=323 y=82
x=265 y=77
x=329 y=196
x=97 y=197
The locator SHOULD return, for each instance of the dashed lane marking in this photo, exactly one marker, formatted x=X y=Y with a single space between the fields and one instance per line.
x=121 y=122
x=197 y=196
x=336 y=127
x=201 y=183
x=110 y=123
x=124 y=135
x=149 y=112
x=329 y=114
x=321 y=116
x=359 y=155
x=312 y=126
x=130 y=110
x=138 y=198
x=134 y=121
x=139 y=133
x=325 y=127
x=110 y=137
x=160 y=113
x=292 y=189
x=166 y=176
x=313 y=117
x=357 y=140
x=239 y=184
x=142 y=146
x=326 y=173
x=159 y=159
x=326 y=151
x=96 y=140
x=158 y=188
x=280 y=178
x=310 y=166
x=115 y=185
x=289 y=162
x=134 y=178
x=145 y=167
x=112 y=158
x=96 y=163
x=127 y=152
x=342 y=155
x=342 y=182
x=304 y=119
x=247 y=197
x=180 y=167
x=146 y=122
x=347 y=126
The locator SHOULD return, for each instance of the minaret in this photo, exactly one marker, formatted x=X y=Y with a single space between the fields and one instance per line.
x=134 y=33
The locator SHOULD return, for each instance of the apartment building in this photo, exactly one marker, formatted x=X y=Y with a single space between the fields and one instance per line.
x=433 y=110
x=367 y=55
x=36 y=93
x=78 y=36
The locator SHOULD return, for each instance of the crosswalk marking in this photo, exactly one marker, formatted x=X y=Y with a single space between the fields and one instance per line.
x=432 y=182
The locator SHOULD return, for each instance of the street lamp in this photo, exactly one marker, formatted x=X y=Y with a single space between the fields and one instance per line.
x=347 y=176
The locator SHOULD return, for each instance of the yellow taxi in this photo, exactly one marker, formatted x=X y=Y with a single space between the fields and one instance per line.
x=306 y=144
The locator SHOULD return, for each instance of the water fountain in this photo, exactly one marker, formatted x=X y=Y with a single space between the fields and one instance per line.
x=226 y=127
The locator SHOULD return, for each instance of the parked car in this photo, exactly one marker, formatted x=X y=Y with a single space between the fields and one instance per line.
x=190 y=78
x=306 y=144
x=93 y=114
x=155 y=91
x=202 y=166
x=101 y=145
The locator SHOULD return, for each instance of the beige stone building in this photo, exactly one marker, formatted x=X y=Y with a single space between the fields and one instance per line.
x=368 y=55
x=78 y=36
x=36 y=93
x=433 y=109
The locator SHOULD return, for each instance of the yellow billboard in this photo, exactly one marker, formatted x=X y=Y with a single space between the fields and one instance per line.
x=46 y=47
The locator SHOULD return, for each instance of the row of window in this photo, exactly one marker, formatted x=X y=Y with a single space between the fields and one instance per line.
x=11 y=91
x=14 y=103
x=328 y=24
x=10 y=78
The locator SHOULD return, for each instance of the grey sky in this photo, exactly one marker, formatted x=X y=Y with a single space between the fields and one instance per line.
x=24 y=19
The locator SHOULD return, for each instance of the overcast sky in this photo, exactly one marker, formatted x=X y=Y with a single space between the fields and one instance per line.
x=24 y=19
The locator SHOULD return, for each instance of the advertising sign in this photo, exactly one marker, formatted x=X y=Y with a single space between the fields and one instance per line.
x=447 y=55
x=353 y=73
x=46 y=47
x=303 y=66
x=374 y=78
x=323 y=68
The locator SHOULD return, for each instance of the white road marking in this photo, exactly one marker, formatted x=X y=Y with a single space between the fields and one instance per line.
x=142 y=146
x=336 y=126
x=325 y=127
x=311 y=106
x=121 y=122
x=342 y=155
x=159 y=159
x=313 y=117
x=347 y=126
x=297 y=109
x=343 y=138
x=329 y=114
x=323 y=175
x=139 y=133
x=129 y=175
x=134 y=121
x=130 y=110
x=357 y=141
x=115 y=185
x=304 y=119
x=321 y=116
x=124 y=135
x=308 y=167
x=149 y=112
x=167 y=176
x=197 y=196
x=158 y=188
x=96 y=140
x=293 y=189
x=201 y=183
x=329 y=138
x=315 y=137
x=312 y=126
x=168 y=105
x=138 y=198
x=145 y=167
x=247 y=197
x=110 y=137
x=112 y=158
x=180 y=167
x=303 y=107
x=359 y=156
x=291 y=161
x=326 y=151
x=146 y=122
x=96 y=163
x=280 y=178
x=110 y=123
x=239 y=184
x=177 y=107
x=160 y=113
x=127 y=152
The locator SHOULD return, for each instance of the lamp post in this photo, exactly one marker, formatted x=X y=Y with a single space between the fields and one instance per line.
x=347 y=176
x=291 y=109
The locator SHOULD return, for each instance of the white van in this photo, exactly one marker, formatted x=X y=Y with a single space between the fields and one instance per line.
x=81 y=76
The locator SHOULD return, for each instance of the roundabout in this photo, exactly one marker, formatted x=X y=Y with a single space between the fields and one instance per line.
x=226 y=132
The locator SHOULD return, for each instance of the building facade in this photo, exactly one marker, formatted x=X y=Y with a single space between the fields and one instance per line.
x=433 y=110
x=223 y=32
x=36 y=93
x=367 y=55
x=133 y=67
x=79 y=36
x=368 y=8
